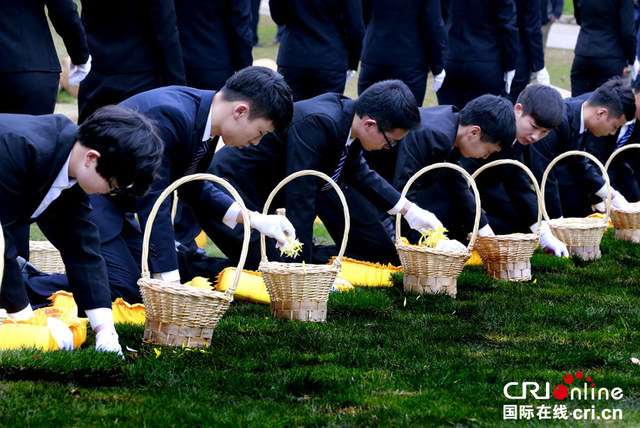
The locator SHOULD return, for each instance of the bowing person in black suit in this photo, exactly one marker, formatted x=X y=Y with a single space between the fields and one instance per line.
x=254 y=102
x=600 y=113
x=30 y=70
x=135 y=47
x=624 y=171
x=216 y=39
x=48 y=165
x=606 y=42
x=328 y=133
x=446 y=135
x=508 y=200
x=403 y=40
x=320 y=42
x=480 y=51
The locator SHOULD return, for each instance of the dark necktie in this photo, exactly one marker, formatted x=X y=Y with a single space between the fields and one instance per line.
x=202 y=151
x=336 y=173
x=626 y=135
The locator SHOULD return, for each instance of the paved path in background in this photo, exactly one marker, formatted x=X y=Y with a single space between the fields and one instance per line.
x=563 y=36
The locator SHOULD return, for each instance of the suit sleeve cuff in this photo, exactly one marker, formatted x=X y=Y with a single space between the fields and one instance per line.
x=231 y=216
x=398 y=206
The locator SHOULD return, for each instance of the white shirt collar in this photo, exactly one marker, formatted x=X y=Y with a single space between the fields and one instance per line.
x=62 y=182
x=207 y=127
x=349 y=139
x=582 y=128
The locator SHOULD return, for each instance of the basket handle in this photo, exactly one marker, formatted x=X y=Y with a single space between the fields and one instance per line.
x=167 y=192
x=471 y=182
x=618 y=151
x=337 y=261
x=531 y=177
x=576 y=153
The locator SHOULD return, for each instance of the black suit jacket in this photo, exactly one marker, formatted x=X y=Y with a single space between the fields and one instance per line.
x=134 y=37
x=323 y=34
x=562 y=139
x=33 y=150
x=432 y=143
x=215 y=34
x=406 y=33
x=606 y=29
x=180 y=113
x=516 y=183
x=530 y=33
x=481 y=30
x=25 y=38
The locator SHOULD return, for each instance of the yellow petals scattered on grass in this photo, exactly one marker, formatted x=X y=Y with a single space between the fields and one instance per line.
x=292 y=248
x=250 y=287
x=367 y=274
x=200 y=282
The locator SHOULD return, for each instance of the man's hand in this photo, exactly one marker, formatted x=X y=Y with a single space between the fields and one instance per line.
x=274 y=226
x=542 y=77
x=549 y=243
x=508 y=78
x=421 y=220
x=77 y=73
x=438 y=80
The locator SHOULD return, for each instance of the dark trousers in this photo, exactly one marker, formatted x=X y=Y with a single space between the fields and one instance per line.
x=588 y=73
x=28 y=92
x=503 y=218
x=521 y=79
x=625 y=177
x=307 y=83
x=369 y=239
x=414 y=77
x=98 y=90
x=468 y=80
x=207 y=78
x=255 y=17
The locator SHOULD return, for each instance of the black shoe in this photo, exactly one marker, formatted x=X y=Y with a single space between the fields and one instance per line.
x=28 y=268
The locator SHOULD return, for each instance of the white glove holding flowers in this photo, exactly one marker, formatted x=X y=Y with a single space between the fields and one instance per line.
x=274 y=226
x=421 y=220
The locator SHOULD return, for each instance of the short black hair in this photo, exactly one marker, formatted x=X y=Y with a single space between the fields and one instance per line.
x=616 y=96
x=391 y=104
x=129 y=144
x=266 y=91
x=494 y=115
x=543 y=103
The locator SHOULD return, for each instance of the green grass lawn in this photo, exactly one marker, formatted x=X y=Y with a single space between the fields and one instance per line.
x=383 y=358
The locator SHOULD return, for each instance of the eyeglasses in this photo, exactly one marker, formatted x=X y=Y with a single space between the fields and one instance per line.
x=390 y=143
x=115 y=190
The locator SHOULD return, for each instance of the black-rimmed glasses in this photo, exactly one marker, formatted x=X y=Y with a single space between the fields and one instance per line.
x=115 y=190
x=390 y=143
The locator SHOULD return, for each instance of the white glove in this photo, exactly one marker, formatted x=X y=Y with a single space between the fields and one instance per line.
x=61 y=333
x=438 y=80
x=77 y=73
x=274 y=226
x=508 y=78
x=549 y=243
x=421 y=220
x=486 y=231
x=451 y=245
x=618 y=201
x=107 y=341
x=599 y=207
x=636 y=68
x=350 y=74
x=542 y=77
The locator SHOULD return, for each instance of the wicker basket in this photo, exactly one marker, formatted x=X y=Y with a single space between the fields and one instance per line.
x=429 y=270
x=300 y=292
x=46 y=257
x=626 y=222
x=582 y=236
x=509 y=256
x=180 y=315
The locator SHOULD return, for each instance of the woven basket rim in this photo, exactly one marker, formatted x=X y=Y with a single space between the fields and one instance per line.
x=634 y=208
x=297 y=268
x=578 y=223
x=159 y=285
x=433 y=251
x=510 y=237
